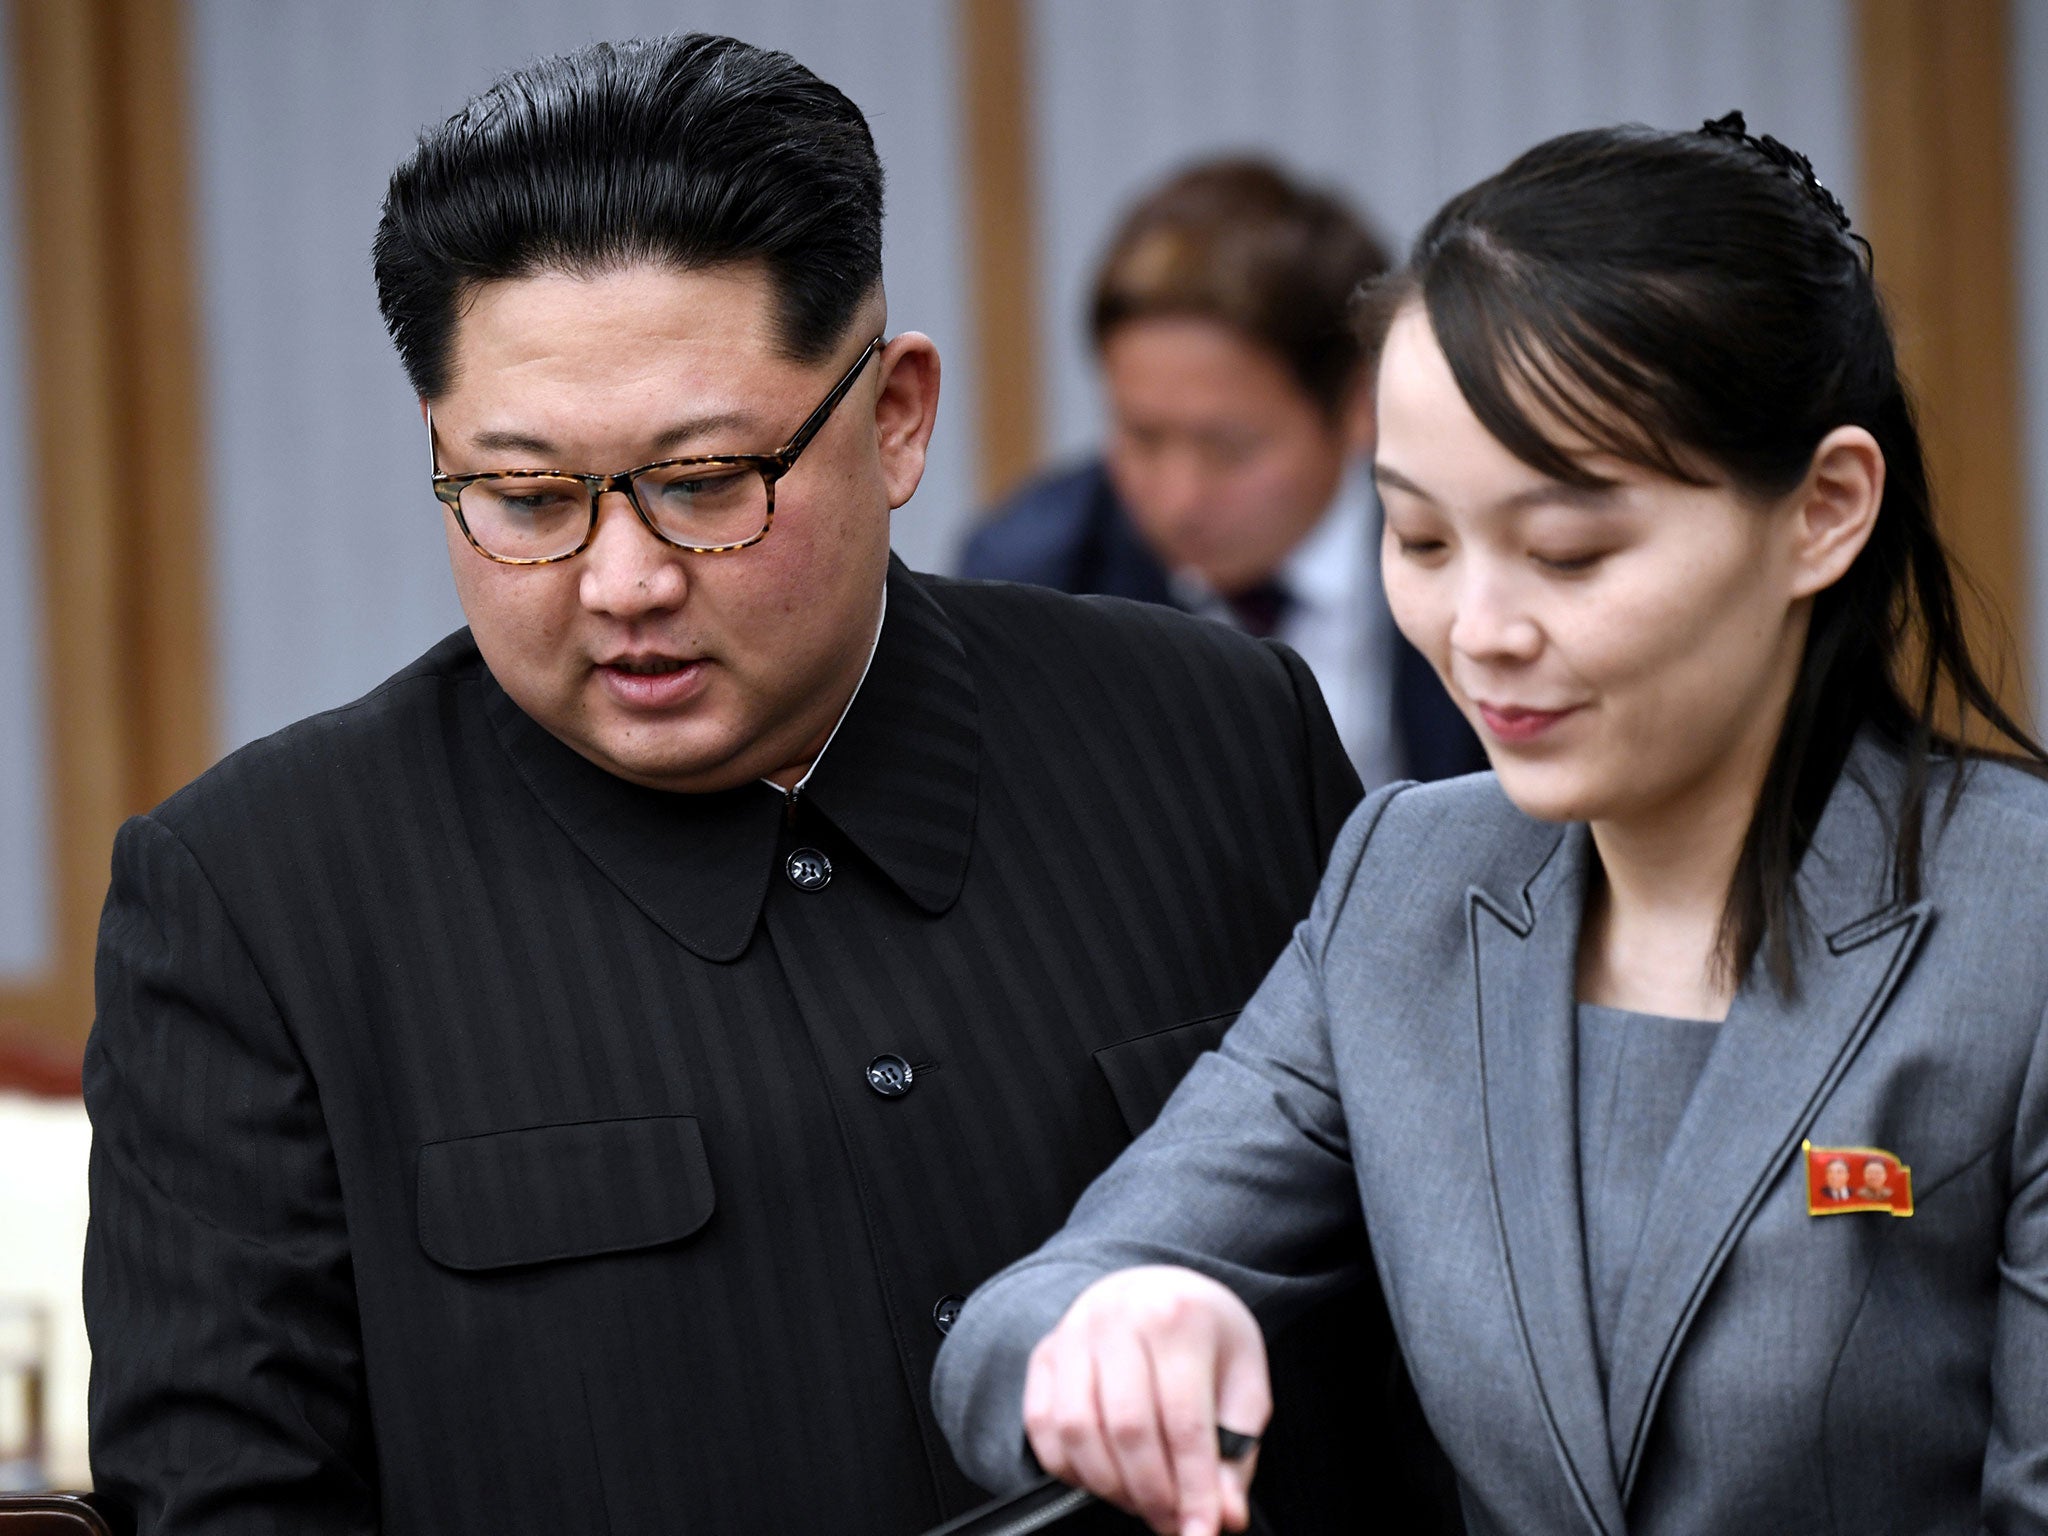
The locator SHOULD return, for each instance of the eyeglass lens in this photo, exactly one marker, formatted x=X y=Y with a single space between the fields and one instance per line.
x=543 y=517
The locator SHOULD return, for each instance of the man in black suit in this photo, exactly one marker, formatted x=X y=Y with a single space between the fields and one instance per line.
x=1233 y=479
x=571 y=1088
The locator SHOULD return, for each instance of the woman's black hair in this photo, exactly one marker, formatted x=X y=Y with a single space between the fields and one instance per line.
x=689 y=151
x=1696 y=304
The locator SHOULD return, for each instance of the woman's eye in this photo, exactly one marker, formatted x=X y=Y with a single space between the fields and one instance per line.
x=1420 y=549
x=1569 y=565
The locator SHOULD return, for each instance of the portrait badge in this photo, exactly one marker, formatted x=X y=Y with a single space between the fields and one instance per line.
x=1842 y=1180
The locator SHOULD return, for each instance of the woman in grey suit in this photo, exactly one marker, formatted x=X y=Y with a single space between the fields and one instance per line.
x=1582 y=1041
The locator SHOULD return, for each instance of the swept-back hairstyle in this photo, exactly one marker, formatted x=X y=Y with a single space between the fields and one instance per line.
x=1695 y=304
x=690 y=151
x=1240 y=242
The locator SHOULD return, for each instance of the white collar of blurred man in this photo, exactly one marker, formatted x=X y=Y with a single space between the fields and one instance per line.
x=1332 y=612
x=1226 y=463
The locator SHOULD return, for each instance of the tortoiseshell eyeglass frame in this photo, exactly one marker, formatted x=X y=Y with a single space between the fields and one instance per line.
x=770 y=466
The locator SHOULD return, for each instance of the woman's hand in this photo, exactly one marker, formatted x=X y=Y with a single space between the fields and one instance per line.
x=1124 y=1398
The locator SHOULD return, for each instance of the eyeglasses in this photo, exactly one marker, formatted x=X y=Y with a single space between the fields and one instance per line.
x=705 y=505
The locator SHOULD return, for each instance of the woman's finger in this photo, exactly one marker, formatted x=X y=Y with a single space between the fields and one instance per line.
x=1244 y=1405
x=1040 y=1393
x=1129 y=1410
x=1184 y=1365
x=1235 y=1486
x=1077 y=1421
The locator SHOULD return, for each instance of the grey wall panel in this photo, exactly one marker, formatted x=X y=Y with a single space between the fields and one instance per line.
x=1398 y=102
x=24 y=783
x=302 y=107
x=2030 y=171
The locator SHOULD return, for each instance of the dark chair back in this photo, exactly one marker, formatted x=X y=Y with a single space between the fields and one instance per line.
x=51 y=1514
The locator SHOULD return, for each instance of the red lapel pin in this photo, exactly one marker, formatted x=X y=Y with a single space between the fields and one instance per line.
x=1840 y=1180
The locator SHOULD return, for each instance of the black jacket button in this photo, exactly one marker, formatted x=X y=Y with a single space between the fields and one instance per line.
x=946 y=1312
x=890 y=1076
x=808 y=869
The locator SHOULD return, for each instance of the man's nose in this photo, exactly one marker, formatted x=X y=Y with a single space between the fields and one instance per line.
x=627 y=571
x=1178 y=489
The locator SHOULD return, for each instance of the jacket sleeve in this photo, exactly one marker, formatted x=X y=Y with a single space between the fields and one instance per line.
x=227 y=1388
x=2016 y=1460
x=1246 y=1176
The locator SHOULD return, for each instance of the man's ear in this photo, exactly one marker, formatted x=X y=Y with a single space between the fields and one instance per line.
x=906 y=406
x=1836 y=508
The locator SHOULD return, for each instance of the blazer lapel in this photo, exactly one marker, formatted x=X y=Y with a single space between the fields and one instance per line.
x=1525 y=963
x=1774 y=1064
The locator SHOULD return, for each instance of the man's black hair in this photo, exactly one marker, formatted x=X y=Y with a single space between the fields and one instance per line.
x=688 y=151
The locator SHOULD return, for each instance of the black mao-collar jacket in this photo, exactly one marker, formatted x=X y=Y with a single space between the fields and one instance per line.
x=486 y=1144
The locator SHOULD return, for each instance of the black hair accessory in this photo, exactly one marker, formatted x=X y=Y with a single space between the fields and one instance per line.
x=1783 y=157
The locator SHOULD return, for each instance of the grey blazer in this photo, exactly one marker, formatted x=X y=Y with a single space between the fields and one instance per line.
x=1771 y=1371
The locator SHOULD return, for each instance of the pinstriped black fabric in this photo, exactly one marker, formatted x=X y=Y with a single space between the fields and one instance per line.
x=484 y=1144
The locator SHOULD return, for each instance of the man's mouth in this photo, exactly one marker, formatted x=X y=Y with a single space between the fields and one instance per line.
x=653 y=681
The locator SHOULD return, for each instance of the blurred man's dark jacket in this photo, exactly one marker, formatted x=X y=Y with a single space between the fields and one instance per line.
x=1069 y=530
x=485 y=1144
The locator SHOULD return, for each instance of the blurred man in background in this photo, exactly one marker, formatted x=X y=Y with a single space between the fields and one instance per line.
x=1234 y=482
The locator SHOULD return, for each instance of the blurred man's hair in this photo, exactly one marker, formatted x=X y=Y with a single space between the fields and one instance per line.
x=687 y=151
x=1240 y=242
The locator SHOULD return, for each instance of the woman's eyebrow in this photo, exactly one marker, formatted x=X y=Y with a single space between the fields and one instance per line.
x=1589 y=498
x=1558 y=493
x=1385 y=474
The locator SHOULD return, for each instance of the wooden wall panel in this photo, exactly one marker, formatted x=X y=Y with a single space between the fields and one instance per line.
x=74 y=435
x=1936 y=203
x=114 y=442
x=996 y=106
x=155 y=303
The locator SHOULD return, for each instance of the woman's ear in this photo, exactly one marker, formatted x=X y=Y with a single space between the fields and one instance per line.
x=1835 y=508
x=906 y=406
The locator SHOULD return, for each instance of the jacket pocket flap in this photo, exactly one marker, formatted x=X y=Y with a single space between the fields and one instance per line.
x=562 y=1191
x=1144 y=1071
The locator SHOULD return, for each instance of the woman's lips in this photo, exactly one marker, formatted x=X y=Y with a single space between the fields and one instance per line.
x=653 y=690
x=1514 y=725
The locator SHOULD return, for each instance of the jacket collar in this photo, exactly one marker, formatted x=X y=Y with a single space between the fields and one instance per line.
x=902 y=778
x=1844 y=877
x=899 y=781
x=1774 y=1062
